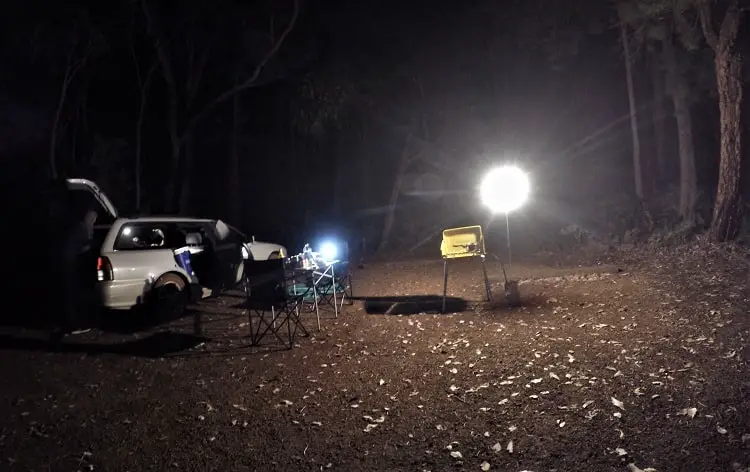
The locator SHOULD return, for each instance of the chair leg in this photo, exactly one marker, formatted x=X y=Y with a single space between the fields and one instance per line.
x=301 y=326
x=250 y=324
x=333 y=287
x=445 y=282
x=298 y=324
x=289 y=330
x=349 y=290
x=317 y=311
x=263 y=326
x=346 y=292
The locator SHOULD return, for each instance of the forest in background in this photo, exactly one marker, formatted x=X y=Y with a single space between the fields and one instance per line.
x=287 y=117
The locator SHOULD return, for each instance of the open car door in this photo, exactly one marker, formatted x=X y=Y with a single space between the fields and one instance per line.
x=229 y=256
x=219 y=264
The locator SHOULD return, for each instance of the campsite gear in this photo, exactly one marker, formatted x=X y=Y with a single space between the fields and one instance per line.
x=270 y=304
x=308 y=258
x=463 y=242
x=182 y=255
x=512 y=294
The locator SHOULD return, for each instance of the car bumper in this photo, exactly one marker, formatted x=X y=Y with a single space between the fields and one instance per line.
x=125 y=294
x=122 y=294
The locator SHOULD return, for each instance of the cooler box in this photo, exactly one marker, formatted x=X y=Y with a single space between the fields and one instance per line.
x=182 y=256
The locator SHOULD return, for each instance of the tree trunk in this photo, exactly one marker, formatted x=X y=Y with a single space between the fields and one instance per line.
x=637 y=171
x=365 y=162
x=235 y=200
x=139 y=146
x=186 y=178
x=659 y=114
x=727 y=215
x=390 y=216
x=680 y=92
x=85 y=145
x=688 y=180
x=340 y=167
x=173 y=174
x=56 y=121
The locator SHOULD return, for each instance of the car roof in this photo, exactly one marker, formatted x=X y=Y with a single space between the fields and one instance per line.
x=166 y=219
x=235 y=229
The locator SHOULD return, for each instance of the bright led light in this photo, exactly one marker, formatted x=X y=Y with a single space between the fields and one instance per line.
x=328 y=251
x=505 y=189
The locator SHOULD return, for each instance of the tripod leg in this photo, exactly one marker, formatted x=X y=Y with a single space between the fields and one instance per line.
x=486 y=281
x=445 y=282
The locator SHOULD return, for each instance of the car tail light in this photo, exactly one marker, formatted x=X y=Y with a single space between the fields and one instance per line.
x=104 y=270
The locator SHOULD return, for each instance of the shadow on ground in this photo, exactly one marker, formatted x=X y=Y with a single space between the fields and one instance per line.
x=156 y=345
x=412 y=305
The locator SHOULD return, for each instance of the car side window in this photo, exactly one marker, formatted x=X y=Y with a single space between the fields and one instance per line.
x=193 y=229
x=139 y=237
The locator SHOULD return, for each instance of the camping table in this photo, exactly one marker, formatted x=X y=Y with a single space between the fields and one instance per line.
x=315 y=285
x=327 y=273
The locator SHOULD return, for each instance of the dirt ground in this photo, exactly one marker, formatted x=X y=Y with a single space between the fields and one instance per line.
x=634 y=366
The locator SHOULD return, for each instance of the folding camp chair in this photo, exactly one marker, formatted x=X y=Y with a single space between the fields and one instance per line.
x=270 y=305
x=301 y=284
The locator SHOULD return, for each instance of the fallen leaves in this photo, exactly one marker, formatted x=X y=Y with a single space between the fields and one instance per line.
x=634 y=468
x=517 y=378
x=689 y=412
x=618 y=403
x=372 y=422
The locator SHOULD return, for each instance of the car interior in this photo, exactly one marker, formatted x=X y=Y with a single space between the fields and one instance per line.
x=204 y=262
x=171 y=236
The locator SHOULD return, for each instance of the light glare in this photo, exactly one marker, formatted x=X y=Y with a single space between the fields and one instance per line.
x=328 y=251
x=505 y=189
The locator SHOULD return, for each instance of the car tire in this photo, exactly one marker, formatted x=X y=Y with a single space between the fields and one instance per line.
x=170 y=297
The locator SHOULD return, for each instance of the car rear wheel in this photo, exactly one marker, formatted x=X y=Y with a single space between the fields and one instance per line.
x=170 y=296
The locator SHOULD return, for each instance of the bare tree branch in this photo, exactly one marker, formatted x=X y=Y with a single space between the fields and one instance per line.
x=161 y=52
x=250 y=82
x=685 y=30
x=195 y=74
x=730 y=25
x=143 y=81
x=166 y=69
x=704 y=11
x=727 y=34
x=71 y=69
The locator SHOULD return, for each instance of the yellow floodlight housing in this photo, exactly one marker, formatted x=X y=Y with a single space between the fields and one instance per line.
x=463 y=242
x=467 y=241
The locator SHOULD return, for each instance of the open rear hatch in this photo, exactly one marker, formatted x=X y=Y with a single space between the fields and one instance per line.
x=86 y=192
